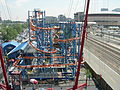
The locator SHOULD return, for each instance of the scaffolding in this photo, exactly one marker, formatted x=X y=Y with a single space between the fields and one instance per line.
x=57 y=49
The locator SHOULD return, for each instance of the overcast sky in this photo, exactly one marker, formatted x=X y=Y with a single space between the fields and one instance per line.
x=17 y=9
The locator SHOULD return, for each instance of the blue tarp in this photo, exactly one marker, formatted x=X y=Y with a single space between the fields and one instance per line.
x=15 y=43
x=20 y=47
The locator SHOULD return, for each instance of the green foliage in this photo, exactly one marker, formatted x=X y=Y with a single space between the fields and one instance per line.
x=10 y=31
x=88 y=73
x=25 y=25
x=17 y=27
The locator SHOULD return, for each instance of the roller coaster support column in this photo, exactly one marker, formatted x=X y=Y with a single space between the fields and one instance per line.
x=78 y=42
x=4 y=70
x=82 y=45
x=74 y=41
x=62 y=43
x=29 y=23
x=44 y=18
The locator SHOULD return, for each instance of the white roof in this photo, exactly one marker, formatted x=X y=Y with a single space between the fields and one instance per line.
x=105 y=12
x=87 y=22
x=80 y=22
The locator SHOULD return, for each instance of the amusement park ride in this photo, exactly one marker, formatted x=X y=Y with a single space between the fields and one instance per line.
x=58 y=52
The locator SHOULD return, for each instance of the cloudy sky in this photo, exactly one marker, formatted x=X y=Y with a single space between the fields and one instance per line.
x=17 y=9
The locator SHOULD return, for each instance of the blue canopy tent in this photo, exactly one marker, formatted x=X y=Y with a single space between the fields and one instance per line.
x=17 y=50
x=8 y=46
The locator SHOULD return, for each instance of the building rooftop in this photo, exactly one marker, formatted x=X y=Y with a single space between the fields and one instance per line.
x=105 y=12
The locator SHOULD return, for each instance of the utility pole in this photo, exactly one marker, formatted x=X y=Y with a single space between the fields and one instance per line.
x=82 y=45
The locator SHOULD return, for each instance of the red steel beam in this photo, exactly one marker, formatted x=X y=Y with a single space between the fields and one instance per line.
x=4 y=70
x=82 y=45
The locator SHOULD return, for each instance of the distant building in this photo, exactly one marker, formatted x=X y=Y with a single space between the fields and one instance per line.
x=104 y=9
x=51 y=19
x=116 y=10
x=70 y=19
x=79 y=16
x=61 y=18
x=104 y=18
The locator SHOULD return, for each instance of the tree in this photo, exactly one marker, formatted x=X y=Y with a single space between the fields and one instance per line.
x=10 y=30
x=25 y=25
x=9 y=33
x=17 y=27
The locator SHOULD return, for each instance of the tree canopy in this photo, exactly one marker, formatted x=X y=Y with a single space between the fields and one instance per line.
x=10 y=31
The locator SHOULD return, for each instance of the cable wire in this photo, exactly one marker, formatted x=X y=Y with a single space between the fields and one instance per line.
x=8 y=9
x=3 y=9
x=71 y=6
x=77 y=3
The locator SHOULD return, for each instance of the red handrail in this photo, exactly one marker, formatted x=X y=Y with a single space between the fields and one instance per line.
x=53 y=51
x=34 y=27
x=29 y=66
x=66 y=40
x=43 y=57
